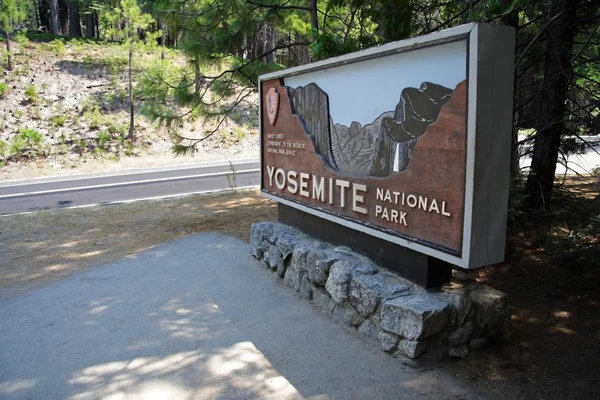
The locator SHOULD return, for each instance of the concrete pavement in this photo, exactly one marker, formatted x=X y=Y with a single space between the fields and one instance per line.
x=197 y=318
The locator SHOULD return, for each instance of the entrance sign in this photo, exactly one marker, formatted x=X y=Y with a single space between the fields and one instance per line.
x=408 y=142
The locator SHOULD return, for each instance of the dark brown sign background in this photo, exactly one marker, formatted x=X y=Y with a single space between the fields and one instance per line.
x=437 y=171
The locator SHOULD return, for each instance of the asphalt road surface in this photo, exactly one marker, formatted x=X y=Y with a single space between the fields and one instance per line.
x=82 y=190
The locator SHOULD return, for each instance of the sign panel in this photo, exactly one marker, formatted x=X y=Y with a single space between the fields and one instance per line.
x=409 y=142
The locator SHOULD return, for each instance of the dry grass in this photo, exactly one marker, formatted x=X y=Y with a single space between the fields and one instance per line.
x=43 y=247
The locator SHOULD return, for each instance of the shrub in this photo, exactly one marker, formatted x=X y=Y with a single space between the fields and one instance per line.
x=103 y=138
x=117 y=129
x=236 y=117
x=32 y=136
x=58 y=120
x=57 y=47
x=36 y=113
x=22 y=38
x=18 y=145
x=31 y=94
x=3 y=148
x=26 y=139
x=3 y=89
x=94 y=118
x=238 y=133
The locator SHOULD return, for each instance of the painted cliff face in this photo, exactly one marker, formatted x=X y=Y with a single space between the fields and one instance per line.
x=379 y=149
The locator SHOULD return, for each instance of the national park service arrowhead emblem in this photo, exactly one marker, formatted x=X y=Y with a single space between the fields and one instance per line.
x=272 y=100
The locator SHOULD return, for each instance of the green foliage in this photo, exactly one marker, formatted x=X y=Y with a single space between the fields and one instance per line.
x=18 y=114
x=36 y=113
x=238 y=133
x=3 y=148
x=12 y=12
x=117 y=129
x=94 y=118
x=58 y=120
x=21 y=38
x=57 y=47
x=33 y=137
x=125 y=21
x=236 y=117
x=26 y=140
x=328 y=44
x=31 y=94
x=3 y=89
x=3 y=57
x=116 y=97
x=103 y=138
x=18 y=145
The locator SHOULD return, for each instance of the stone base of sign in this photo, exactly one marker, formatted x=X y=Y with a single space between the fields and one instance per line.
x=416 y=325
x=419 y=268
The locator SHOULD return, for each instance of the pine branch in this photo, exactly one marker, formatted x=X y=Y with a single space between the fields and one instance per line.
x=283 y=6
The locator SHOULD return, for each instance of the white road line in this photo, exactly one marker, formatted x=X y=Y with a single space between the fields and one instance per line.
x=168 y=196
x=6 y=196
x=139 y=171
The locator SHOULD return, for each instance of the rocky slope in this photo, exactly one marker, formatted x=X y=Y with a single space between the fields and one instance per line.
x=65 y=104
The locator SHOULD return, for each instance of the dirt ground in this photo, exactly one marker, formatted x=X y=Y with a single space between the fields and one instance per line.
x=554 y=346
x=43 y=247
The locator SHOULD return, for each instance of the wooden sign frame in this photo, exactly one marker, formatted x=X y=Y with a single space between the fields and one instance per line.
x=488 y=124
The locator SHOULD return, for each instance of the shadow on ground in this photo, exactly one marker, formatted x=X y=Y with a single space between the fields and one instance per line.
x=196 y=318
x=552 y=278
x=43 y=247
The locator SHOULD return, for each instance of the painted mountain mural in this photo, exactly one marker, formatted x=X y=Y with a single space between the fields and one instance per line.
x=381 y=148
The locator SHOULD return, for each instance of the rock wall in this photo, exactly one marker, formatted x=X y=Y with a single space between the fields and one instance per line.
x=415 y=325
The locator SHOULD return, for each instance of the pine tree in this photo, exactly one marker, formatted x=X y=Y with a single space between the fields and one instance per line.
x=126 y=23
x=11 y=12
x=54 y=16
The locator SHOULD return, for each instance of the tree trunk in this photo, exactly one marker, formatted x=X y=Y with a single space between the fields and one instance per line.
x=89 y=25
x=549 y=125
x=197 y=65
x=96 y=25
x=74 y=23
x=43 y=10
x=54 y=16
x=8 y=52
x=269 y=42
x=36 y=11
x=162 y=43
x=394 y=19
x=244 y=46
x=512 y=19
x=130 y=35
x=313 y=15
x=63 y=16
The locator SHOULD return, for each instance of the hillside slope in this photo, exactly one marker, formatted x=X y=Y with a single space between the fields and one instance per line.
x=64 y=110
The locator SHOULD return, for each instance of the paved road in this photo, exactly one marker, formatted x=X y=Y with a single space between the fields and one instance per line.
x=584 y=163
x=197 y=318
x=32 y=195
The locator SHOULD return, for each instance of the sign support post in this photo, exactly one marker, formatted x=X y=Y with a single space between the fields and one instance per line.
x=419 y=268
